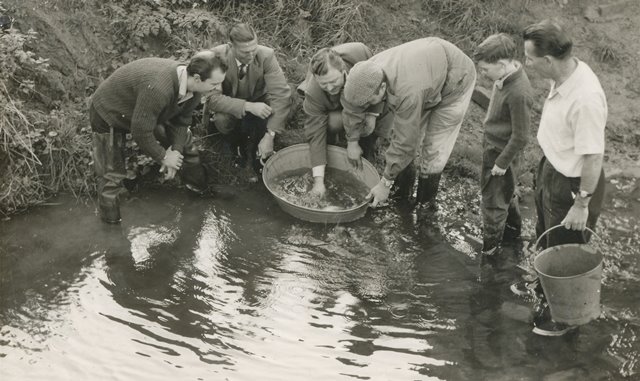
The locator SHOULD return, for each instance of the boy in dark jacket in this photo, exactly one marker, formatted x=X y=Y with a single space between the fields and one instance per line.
x=506 y=131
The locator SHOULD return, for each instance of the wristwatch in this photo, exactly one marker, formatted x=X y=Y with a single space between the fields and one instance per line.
x=584 y=194
x=387 y=183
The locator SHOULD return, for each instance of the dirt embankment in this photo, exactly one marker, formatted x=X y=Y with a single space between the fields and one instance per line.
x=78 y=39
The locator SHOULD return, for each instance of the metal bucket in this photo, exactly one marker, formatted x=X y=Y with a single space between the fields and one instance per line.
x=570 y=275
x=296 y=157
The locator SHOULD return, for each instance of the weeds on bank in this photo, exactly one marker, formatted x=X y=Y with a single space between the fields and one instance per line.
x=296 y=27
x=41 y=153
x=471 y=21
x=45 y=150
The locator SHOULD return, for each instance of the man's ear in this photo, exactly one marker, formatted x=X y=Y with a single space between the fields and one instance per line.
x=383 y=87
x=196 y=77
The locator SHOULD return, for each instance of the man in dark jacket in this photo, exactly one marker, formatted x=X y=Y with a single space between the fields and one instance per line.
x=255 y=99
x=153 y=99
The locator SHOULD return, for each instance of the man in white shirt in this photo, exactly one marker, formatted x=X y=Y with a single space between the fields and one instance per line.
x=570 y=181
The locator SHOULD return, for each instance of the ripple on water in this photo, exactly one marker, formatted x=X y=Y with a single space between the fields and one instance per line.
x=217 y=293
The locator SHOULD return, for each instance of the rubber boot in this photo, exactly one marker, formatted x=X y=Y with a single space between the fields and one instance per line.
x=513 y=226
x=403 y=186
x=491 y=245
x=192 y=173
x=108 y=159
x=426 y=195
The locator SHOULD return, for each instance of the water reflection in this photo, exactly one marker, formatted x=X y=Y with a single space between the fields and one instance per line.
x=200 y=289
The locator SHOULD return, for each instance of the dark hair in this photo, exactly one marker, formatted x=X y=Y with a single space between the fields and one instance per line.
x=549 y=39
x=323 y=60
x=242 y=32
x=496 y=47
x=203 y=63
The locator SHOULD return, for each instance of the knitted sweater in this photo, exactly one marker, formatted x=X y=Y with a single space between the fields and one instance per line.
x=142 y=94
x=507 y=124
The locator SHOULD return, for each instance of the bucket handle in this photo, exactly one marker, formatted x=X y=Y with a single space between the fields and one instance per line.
x=558 y=226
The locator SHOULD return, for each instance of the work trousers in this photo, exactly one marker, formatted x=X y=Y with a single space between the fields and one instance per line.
x=554 y=195
x=243 y=135
x=440 y=129
x=500 y=210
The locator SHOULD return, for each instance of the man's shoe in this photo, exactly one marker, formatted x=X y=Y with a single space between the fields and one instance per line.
x=111 y=221
x=494 y=251
x=543 y=324
x=426 y=210
x=551 y=328
x=527 y=288
x=194 y=189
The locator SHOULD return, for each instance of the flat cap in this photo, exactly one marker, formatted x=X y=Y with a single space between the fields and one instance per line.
x=363 y=81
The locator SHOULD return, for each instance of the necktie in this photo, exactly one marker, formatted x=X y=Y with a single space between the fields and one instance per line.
x=242 y=71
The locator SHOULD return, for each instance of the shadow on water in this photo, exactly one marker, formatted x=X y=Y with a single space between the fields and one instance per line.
x=189 y=288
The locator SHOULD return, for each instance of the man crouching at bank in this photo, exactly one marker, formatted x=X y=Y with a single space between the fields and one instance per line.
x=153 y=99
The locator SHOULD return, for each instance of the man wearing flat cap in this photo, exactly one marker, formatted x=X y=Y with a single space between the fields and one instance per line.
x=427 y=84
x=322 y=90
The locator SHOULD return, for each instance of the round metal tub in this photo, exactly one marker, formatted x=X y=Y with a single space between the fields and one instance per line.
x=296 y=157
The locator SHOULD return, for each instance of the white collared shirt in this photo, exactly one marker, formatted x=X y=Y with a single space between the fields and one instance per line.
x=240 y=65
x=183 y=94
x=573 y=121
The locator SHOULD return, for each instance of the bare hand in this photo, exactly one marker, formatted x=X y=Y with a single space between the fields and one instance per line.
x=169 y=173
x=576 y=219
x=172 y=159
x=318 y=190
x=265 y=147
x=497 y=171
x=370 y=122
x=354 y=154
x=380 y=194
x=259 y=109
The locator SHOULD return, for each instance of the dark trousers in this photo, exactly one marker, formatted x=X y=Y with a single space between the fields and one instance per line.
x=553 y=194
x=242 y=135
x=500 y=210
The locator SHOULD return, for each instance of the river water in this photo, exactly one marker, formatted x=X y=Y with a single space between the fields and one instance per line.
x=206 y=289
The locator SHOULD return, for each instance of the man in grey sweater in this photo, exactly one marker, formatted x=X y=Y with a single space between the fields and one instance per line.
x=153 y=99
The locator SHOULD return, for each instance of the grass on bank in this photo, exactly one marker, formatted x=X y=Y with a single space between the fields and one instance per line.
x=46 y=149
